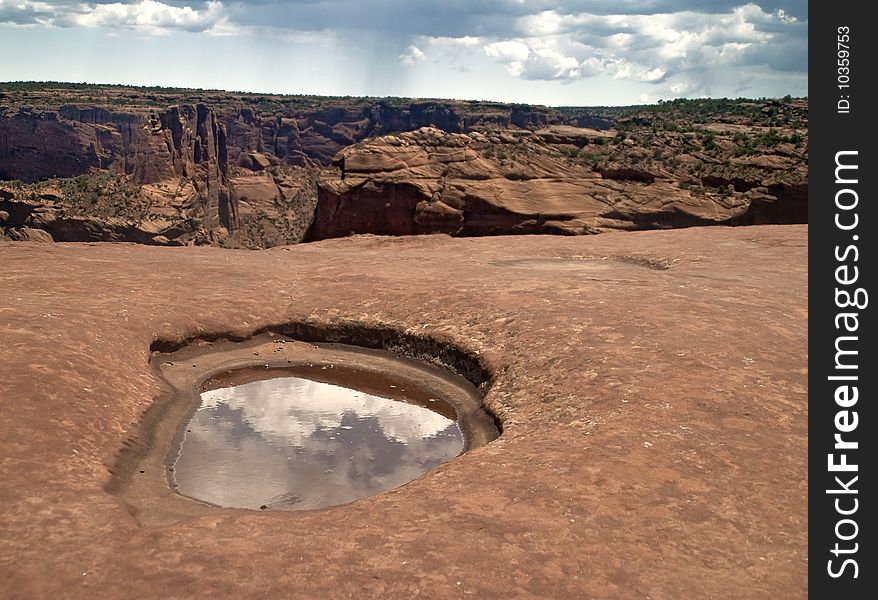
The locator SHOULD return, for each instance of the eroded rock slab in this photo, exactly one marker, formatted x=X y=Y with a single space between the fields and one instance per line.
x=545 y=181
x=654 y=419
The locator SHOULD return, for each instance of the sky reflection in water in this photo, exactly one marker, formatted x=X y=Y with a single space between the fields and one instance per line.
x=291 y=443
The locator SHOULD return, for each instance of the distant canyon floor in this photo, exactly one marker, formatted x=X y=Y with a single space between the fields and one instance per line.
x=652 y=390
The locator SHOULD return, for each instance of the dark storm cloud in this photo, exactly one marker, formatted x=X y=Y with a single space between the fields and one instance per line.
x=463 y=17
x=451 y=18
x=456 y=18
x=22 y=13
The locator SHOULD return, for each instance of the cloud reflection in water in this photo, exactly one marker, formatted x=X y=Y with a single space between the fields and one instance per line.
x=292 y=443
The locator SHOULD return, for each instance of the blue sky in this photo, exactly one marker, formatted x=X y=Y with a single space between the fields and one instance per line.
x=556 y=53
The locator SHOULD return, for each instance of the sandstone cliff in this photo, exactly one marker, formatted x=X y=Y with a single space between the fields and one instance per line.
x=241 y=170
x=532 y=182
x=259 y=129
x=148 y=177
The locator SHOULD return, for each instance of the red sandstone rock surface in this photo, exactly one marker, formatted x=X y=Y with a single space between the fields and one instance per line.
x=651 y=385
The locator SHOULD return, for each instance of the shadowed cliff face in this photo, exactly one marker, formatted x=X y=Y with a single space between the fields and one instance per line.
x=40 y=141
x=35 y=145
x=188 y=143
x=183 y=143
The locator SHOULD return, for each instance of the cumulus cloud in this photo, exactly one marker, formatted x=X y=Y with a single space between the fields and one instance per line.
x=412 y=55
x=535 y=59
x=548 y=22
x=456 y=52
x=508 y=51
x=652 y=48
x=150 y=16
x=292 y=442
x=291 y=409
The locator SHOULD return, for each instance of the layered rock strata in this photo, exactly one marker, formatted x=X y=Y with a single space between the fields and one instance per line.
x=192 y=167
x=430 y=181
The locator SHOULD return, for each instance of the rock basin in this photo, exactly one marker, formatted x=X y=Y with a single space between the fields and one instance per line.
x=273 y=423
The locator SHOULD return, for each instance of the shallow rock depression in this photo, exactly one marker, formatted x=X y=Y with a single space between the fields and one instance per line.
x=273 y=423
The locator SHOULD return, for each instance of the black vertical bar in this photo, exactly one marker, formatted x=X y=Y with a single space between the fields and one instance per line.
x=842 y=258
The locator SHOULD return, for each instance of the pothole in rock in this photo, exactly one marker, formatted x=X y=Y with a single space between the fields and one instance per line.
x=278 y=424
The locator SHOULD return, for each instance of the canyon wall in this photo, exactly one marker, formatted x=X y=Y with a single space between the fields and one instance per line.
x=259 y=171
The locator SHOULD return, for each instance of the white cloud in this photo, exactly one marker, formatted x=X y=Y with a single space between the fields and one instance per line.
x=293 y=442
x=454 y=51
x=412 y=55
x=291 y=409
x=644 y=48
x=548 y=61
x=622 y=69
x=547 y=22
x=508 y=51
x=149 y=15
x=678 y=88
x=783 y=16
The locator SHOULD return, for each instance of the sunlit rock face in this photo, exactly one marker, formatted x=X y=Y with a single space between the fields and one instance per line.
x=291 y=444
